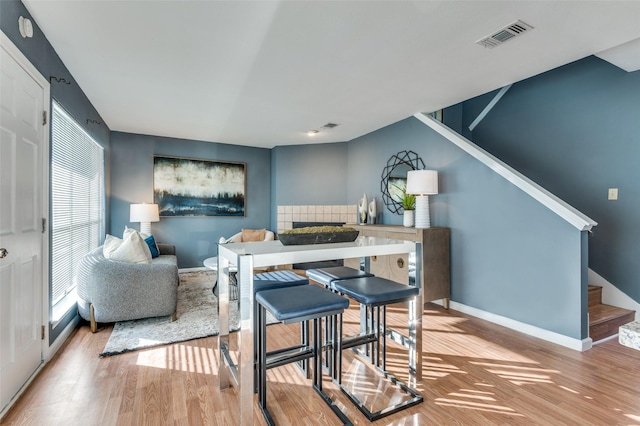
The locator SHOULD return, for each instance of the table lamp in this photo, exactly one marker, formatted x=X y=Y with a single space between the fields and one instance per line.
x=422 y=183
x=145 y=214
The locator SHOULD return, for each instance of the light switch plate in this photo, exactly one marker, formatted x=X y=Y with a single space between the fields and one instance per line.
x=613 y=194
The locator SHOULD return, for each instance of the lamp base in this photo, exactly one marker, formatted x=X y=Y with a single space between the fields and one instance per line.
x=423 y=219
x=145 y=228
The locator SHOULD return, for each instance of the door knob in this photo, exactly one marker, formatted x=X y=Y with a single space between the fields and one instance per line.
x=3 y=253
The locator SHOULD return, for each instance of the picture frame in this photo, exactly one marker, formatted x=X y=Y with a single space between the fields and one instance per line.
x=190 y=187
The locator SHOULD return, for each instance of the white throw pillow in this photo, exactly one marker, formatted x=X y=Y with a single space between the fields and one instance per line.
x=128 y=231
x=131 y=249
x=110 y=245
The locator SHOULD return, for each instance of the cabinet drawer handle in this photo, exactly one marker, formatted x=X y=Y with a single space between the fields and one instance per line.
x=374 y=258
x=400 y=262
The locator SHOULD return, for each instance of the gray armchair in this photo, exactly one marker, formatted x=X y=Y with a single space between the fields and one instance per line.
x=111 y=291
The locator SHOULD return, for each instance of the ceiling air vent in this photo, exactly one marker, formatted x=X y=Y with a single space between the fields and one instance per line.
x=504 y=34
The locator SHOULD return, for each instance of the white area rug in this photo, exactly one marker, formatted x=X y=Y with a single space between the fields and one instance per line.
x=197 y=318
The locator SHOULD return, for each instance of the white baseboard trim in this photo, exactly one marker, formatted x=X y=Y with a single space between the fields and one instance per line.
x=530 y=330
x=196 y=269
x=611 y=295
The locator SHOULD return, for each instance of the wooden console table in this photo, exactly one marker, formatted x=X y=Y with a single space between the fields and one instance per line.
x=436 y=268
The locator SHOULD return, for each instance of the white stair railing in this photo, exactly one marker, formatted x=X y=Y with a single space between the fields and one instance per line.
x=555 y=204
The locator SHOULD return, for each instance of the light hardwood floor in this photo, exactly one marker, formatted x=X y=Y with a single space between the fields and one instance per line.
x=475 y=373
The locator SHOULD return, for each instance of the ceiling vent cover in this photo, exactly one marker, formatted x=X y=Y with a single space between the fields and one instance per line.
x=504 y=35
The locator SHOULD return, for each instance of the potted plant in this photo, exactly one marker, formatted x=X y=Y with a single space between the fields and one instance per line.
x=408 y=202
x=408 y=205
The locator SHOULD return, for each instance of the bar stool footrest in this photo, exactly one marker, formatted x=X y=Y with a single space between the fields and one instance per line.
x=415 y=399
x=227 y=362
x=288 y=355
x=358 y=340
x=336 y=410
x=267 y=415
x=398 y=337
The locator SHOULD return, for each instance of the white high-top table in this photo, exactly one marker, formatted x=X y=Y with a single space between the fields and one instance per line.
x=256 y=255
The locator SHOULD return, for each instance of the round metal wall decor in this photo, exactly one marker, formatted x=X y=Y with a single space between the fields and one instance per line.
x=394 y=178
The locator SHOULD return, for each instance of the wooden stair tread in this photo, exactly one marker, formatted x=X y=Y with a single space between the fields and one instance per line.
x=600 y=313
x=604 y=320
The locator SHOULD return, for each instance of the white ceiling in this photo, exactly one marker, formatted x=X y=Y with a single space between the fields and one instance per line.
x=262 y=73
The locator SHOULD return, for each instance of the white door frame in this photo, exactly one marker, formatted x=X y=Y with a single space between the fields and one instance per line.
x=22 y=60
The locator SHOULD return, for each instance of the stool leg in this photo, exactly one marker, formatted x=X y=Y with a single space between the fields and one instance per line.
x=328 y=326
x=330 y=342
x=363 y=327
x=370 y=319
x=317 y=353
x=304 y=340
x=384 y=338
x=337 y=338
x=374 y=344
x=375 y=318
x=256 y=346
x=262 y=337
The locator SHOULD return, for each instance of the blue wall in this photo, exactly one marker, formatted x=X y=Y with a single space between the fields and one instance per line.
x=368 y=156
x=310 y=174
x=508 y=252
x=576 y=131
x=195 y=238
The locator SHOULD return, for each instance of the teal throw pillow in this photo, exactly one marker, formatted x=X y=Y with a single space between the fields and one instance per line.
x=153 y=247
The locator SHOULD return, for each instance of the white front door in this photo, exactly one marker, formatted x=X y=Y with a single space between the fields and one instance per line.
x=22 y=146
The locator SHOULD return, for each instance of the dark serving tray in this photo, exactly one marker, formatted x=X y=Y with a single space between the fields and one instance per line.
x=318 y=238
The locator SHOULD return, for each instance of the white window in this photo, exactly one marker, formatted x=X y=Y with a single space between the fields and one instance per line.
x=77 y=205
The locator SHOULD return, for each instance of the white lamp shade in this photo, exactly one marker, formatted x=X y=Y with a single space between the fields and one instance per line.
x=144 y=213
x=422 y=182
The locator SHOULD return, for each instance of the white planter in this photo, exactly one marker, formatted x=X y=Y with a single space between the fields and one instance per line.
x=407 y=220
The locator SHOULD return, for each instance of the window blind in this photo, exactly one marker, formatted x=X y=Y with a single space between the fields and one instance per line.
x=77 y=199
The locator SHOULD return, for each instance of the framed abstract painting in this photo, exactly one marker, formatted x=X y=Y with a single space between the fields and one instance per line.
x=193 y=187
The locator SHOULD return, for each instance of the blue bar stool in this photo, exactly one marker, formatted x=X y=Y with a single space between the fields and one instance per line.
x=290 y=305
x=375 y=294
x=326 y=276
x=271 y=281
x=286 y=278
